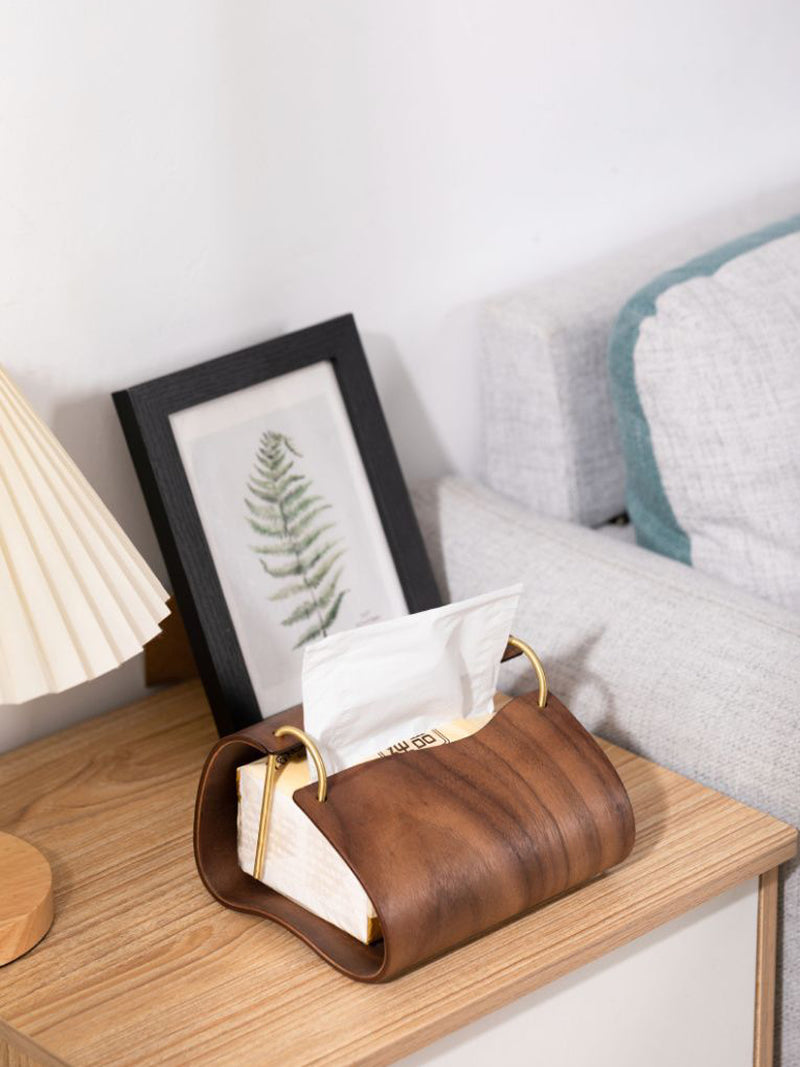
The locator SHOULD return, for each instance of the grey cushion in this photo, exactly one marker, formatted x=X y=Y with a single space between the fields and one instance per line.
x=681 y=668
x=705 y=372
x=550 y=435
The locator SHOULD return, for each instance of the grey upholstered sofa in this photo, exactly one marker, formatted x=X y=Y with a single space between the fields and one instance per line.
x=681 y=668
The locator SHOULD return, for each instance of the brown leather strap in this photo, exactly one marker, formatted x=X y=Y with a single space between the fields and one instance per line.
x=448 y=842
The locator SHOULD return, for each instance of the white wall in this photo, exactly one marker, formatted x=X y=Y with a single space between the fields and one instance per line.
x=179 y=178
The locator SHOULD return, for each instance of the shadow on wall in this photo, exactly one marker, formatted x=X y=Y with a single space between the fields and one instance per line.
x=20 y=723
x=90 y=431
x=398 y=394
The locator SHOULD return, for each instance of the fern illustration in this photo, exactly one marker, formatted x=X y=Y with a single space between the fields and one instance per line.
x=283 y=509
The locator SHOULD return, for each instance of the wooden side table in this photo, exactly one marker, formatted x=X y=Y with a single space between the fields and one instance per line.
x=142 y=967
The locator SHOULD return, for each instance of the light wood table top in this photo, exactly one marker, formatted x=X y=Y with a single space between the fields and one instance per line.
x=142 y=967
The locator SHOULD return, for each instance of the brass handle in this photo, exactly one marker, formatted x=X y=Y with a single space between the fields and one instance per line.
x=269 y=790
x=535 y=662
x=313 y=751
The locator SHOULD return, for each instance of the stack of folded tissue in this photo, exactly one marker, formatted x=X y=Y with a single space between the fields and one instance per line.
x=378 y=691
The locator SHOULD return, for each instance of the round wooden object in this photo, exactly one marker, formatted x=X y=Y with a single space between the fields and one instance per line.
x=26 y=897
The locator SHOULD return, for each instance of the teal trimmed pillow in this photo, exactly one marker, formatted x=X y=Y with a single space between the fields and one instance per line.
x=705 y=378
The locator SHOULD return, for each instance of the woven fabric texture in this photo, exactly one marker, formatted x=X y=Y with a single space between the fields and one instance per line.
x=550 y=438
x=705 y=366
x=676 y=666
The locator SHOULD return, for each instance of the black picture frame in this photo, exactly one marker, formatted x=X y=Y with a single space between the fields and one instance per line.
x=144 y=411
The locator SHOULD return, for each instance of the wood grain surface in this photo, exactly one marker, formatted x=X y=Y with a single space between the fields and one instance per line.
x=142 y=967
x=26 y=897
x=452 y=841
x=13 y=1054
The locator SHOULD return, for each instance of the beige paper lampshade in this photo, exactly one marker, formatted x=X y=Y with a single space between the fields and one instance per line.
x=76 y=598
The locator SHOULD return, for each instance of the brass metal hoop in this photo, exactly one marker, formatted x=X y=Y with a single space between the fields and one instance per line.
x=535 y=662
x=316 y=758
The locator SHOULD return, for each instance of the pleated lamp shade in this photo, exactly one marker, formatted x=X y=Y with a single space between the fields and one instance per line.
x=76 y=598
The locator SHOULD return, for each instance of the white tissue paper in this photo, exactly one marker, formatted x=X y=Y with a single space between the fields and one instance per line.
x=397 y=686
x=365 y=689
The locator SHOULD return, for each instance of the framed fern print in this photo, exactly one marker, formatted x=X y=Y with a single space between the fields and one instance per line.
x=279 y=506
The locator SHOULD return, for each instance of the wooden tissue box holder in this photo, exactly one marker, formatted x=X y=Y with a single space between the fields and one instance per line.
x=448 y=842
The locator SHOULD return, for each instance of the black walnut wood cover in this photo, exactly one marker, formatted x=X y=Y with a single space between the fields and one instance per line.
x=447 y=842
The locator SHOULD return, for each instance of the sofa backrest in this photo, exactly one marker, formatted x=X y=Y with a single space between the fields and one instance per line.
x=549 y=432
